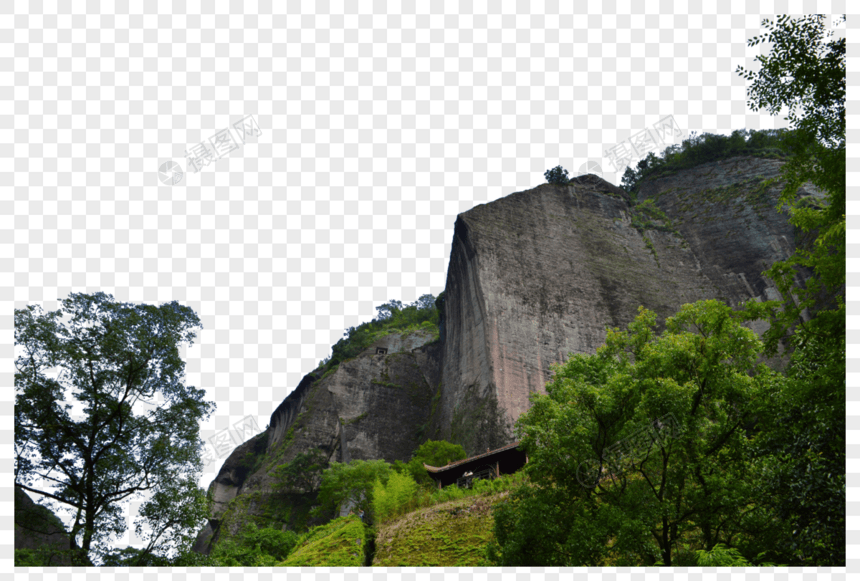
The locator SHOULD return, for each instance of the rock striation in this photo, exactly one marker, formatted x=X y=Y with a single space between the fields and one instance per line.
x=377 y=405
x=533 y=277
x=541 y=274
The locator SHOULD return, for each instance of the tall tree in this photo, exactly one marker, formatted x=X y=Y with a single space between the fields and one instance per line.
x=638 y=454
x=805 y=73
x=110 y=355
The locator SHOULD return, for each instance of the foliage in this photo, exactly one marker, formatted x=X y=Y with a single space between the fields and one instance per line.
x=302 y=474
x=190 y=558
x=453 y=534
x=391 y=317
x=388 y=498
x=352 y=484
x=804 y=454
x=721 y=556
x=28 y=558
x=817 y=85
x=698 y=149
x=556 y=175
x=424 y=497
x=255 y=547
x=432 y=453
x=111 y=354
x=43 y=556
x=643 y=447
x=339 y=543
x=133 y=557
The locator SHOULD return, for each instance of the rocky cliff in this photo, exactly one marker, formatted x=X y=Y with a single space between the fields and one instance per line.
x=532 y=278
x=540 y=274
x=373 y=406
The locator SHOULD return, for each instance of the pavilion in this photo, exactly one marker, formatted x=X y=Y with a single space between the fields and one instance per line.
x=491 y=465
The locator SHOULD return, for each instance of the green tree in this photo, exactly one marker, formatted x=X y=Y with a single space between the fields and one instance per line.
x=303 y=473
x=806 y=449
x=111 y=355
x=805 y=73
x=425 y=302
x=351 y=484
x=432 y=453
x=556 y=175
x=393 y=497
x=641 y=452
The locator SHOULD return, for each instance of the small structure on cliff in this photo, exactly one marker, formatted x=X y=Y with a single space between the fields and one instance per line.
x=491 y=464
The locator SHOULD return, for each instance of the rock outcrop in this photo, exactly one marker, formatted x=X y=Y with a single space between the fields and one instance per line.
x=533 y=277
x=541 y=274
x=37 y=528
x=377 y=405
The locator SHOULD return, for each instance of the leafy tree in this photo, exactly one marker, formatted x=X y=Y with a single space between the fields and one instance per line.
x=721 y=556
x=351 y=484
x=816 y=84
x=645 y=444
x=556 y=175
x=393 y=497
x=303 y=472
x=432 y=453
x=387 y=310
x=806 y=447
x=112 y=355
x=425 y=302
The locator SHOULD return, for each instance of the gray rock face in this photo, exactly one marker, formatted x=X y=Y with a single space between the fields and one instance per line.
x=533 y=277
x=373 y=406
x=541 y=274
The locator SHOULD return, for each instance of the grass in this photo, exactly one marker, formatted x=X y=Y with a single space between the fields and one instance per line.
x=340 y=543
x=451 y=534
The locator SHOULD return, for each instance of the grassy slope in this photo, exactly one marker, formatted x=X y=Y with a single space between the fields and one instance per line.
x=339 y=543
x=452 y=534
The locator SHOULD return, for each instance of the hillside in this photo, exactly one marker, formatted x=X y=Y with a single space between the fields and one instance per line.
x=340 y=543
x=452 y=534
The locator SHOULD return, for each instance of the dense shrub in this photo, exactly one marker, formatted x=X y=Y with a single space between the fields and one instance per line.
x=254 y=547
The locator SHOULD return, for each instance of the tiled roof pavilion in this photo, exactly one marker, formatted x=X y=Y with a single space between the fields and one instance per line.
x=504 y=460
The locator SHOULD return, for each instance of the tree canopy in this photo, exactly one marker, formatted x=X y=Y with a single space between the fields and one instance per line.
x=432 y=453
x=110 y=355
x=805 y=73
x=639 y=454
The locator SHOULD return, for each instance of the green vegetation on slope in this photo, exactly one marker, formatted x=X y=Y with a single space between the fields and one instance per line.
x=340 y=543
x=704 y=148
x=452 y=534
x=392 y=317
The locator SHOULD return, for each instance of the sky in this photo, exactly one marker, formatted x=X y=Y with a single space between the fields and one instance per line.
x=358 y=139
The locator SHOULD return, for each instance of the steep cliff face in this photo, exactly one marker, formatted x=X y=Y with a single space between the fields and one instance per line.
x=533 y=277
x=374 y=406
x=540 y=274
